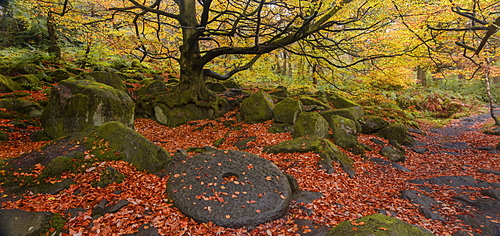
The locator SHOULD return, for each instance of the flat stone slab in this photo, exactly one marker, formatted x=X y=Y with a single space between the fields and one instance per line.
x=229 y=188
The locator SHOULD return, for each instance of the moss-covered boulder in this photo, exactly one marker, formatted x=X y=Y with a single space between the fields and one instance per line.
x=372 y=123
x=216 y=87
x=353 y=113
x=59 y=165
x=133 y=147
x=156 y=86
x=398 y=132
x=180 y=115
x=287 y=111
x=24 y=223
x=339 y=101
x=377 y=225
x=308 y=100
x=392 y=154
x=344 y=134
x=180 y=107
x=108 y=78
x=257 y=108
x=75 y=104
x=27 y=81
x=310 y=123
x=8 y=85
x=58 y=75
x=230 y=84
x=22 y=107
x=230 y=188
x=327 y=150
x=280 y=92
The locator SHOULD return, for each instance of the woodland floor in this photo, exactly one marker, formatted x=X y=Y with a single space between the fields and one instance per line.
x=376 y=188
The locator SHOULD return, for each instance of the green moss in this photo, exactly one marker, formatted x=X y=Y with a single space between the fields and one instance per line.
x=7 y=85
x=287 y=111
x=59 y=165
x=57 y=224
x=3 y=136
x=327 y=150
x=75 y=104
x=377 y=225
x=257 y=108
x=310 y=123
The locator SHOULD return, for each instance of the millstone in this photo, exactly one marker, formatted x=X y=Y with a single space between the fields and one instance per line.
x=229 y=188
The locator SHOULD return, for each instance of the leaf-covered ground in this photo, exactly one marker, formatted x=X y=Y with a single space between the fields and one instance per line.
x=376 y=188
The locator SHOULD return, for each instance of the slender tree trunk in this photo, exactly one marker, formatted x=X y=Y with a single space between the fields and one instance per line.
x=421 y=76
x=490 y=97
x=54 y=48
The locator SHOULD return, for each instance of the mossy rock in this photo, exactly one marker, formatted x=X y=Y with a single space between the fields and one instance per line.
x=280 y=128
x=372 y=123
x=182 y=106
x=181 y=115
x=257 y=108
x=108 y=78
x=59 y=165
x=280 y=92
x=341 y=102
x=145 y=106
x=40 y=135
x=398 y=132
x=108 y=176
x=230 y=84
x=377 y=225
x=75 y=104
x=344 y=134
x=392 y=154
x=353 y=113
x=309 y=124
x=216 y=87
x=19 y=222
x=133 y=147
x=308 y=100
x=31 y=80
x=287 y=111
x=327 y=150
x=58 y=75
x=153 y=87
x=22 y=107
x=8 y=85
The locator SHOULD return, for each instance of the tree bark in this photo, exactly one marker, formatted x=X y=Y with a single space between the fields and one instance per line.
x=488 y=91
x=421 y=76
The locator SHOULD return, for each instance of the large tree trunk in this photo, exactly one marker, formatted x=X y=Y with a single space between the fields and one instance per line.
x=190 y=99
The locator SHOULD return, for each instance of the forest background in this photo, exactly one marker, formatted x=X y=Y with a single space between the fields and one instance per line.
x=377 y=52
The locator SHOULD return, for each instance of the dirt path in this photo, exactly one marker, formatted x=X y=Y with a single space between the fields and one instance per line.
x=466 y=167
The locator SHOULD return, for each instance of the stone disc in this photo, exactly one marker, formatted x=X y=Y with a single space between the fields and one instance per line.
x=229 y=188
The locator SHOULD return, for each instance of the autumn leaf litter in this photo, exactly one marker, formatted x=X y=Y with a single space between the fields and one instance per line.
x=375 y=188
